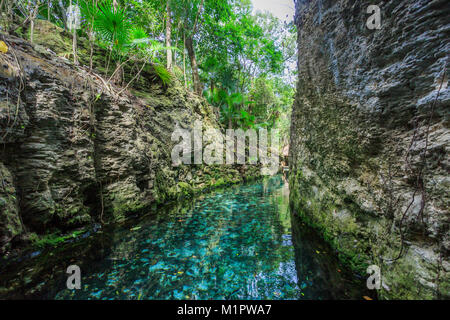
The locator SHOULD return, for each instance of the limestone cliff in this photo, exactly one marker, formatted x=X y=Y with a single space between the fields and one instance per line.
x=370 y=138
x=76 y=152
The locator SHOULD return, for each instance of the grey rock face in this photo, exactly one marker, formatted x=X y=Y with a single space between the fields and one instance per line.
x=74 y=153
x=370 y=132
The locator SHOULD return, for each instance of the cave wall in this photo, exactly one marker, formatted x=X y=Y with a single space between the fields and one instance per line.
x=370 y=138
x=74 y=152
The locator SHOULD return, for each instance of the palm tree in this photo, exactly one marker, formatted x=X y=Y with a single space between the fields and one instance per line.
x=113 y=27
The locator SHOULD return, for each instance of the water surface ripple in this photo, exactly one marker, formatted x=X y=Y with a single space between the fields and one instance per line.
x=235 y=243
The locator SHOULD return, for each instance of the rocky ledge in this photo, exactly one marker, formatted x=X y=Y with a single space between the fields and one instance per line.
x=75 y=153
x=370 y=138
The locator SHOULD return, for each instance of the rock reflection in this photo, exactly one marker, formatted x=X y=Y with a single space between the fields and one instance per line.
x=235 y=243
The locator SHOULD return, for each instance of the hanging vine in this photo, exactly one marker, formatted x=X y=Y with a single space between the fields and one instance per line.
x=419 y=175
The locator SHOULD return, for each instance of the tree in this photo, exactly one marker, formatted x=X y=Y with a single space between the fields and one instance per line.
x=242 y=58
x=73 y=16
x=168 y=35
x=29 y=9
x=191 y=51
x=189 y=14
x=89 y=9
x=113 y=27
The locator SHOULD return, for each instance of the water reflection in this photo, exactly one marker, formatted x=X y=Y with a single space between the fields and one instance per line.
x=235 y=243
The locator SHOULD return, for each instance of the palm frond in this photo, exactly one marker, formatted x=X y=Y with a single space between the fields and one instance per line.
x=111 y=25
x=163 y=74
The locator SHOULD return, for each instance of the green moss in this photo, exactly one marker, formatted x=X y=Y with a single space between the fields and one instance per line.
x=53 y=240
x=319 y=212
x=406 y=284
x=121 y=208
x=51 y=36
x=218 y=183
x=185 y=189
x=72 y=216
x=59 y=41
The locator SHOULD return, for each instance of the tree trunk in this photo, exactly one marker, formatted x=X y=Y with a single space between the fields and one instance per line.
x=184 y=61
x=74 y=47
x=168 y=36
x=6 y=24
x=74 y=39
x=91 y=36
x=33 y=14
x=118 y=74
x=64 y=13
x=174 y=53
x=194 y=66
x=91 y=49
x=31 y=30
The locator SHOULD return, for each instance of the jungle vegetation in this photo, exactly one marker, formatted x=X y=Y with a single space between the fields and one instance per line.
x=242 y=62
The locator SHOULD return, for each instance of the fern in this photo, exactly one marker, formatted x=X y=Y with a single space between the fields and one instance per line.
x=163 y=74
x=138 y=34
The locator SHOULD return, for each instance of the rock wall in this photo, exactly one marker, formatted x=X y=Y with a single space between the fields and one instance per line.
x=74 y=152
x=370 y=138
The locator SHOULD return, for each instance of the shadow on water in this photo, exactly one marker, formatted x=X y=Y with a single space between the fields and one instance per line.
x=321 y=275
x=234 y=243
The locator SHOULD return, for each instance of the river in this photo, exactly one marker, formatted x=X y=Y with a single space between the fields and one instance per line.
x=241 y=242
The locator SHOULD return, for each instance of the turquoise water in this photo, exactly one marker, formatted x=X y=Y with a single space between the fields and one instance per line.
x=232 y=244
x=240 y=242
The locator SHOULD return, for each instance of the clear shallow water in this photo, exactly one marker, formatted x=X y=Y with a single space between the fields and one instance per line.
x=235 y=243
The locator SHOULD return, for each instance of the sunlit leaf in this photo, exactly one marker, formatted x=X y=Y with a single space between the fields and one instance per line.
x=3 y=47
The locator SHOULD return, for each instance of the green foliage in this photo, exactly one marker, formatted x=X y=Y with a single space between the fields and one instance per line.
x=246 y=120
x=245 y=61
x=52 y=240
x=112 y=25
x=137 y=36
x=163 y=74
